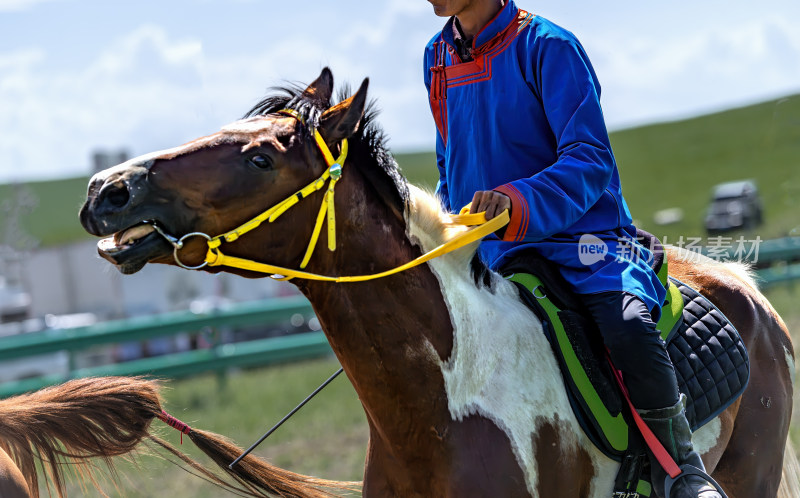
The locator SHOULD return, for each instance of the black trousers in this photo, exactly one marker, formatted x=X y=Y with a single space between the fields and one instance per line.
x=636 y=348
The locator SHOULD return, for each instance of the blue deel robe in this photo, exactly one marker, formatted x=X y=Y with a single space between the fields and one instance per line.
x=524 y=118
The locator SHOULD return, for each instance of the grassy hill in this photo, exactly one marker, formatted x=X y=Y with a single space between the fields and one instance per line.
x=676 y=164
x=662 y=166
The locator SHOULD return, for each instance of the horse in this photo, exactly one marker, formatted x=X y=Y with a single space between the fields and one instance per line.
x=461 y=392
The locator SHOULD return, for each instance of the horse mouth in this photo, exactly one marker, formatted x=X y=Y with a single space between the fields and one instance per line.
x=130 y=249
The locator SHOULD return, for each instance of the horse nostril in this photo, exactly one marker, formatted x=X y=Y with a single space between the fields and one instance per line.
x=116 y=194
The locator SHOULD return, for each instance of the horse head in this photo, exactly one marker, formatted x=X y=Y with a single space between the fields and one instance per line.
x=213 y=184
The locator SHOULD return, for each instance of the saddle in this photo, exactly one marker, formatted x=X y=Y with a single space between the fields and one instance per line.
x=709 y=356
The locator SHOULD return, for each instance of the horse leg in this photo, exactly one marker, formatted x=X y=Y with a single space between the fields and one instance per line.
x=12 y=483
x=753 y=460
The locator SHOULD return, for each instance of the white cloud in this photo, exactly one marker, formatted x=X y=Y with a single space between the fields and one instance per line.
x=148 y=90
x=19 y=5
x=145 y=45
x=141 y=88
x=647 y=79
x=20 y=59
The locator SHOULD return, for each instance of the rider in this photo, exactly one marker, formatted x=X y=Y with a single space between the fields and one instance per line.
x=517 y=108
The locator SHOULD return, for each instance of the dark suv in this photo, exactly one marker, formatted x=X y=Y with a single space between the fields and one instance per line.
x=734 y=205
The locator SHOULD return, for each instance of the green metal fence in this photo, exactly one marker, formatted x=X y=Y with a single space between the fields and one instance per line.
x=218 y=358
x=146 y=327
x=761 y=253
x=777 y=260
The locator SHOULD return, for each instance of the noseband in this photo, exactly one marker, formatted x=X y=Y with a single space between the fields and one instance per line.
x=215 y=257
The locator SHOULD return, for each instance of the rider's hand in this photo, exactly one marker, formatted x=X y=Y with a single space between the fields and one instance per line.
x=490 y=201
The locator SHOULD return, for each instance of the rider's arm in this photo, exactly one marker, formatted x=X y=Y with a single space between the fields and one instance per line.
x=552 y=200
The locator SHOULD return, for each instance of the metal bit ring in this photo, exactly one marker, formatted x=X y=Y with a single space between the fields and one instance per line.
x=179 y=245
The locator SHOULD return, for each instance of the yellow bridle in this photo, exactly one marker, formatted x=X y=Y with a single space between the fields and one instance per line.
x=215 y=257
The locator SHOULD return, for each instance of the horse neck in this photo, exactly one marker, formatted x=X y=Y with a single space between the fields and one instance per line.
x=391 y=334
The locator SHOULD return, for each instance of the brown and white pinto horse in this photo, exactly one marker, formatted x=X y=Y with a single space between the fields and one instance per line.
x=461 y=392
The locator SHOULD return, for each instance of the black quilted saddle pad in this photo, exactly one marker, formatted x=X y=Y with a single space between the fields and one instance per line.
x=710 y=359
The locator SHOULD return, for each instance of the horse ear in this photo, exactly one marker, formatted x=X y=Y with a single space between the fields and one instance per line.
x=341 y=120
x=321 y=90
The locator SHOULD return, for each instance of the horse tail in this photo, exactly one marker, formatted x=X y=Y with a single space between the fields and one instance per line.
x=104 y=417
x=75 y=422
x=790 y=480
x=255 y=476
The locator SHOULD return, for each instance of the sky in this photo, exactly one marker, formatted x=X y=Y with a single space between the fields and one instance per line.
x=78 y=76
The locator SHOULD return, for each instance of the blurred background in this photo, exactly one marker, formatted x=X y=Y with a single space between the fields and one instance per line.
x=702 y=101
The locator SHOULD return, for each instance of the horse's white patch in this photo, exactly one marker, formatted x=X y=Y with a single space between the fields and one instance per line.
x=706 y=437
x=501 y=366
x=790 y=364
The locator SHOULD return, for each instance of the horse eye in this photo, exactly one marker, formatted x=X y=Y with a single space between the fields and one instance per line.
x=260 y=162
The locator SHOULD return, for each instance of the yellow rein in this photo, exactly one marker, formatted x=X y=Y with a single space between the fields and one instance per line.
x=215 y=257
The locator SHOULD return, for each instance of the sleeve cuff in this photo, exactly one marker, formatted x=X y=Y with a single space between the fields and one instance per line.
x=518 y=226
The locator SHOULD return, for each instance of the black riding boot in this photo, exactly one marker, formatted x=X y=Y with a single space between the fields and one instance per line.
x=672 y=429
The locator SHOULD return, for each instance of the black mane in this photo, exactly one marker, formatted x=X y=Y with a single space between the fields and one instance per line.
x=368 y=141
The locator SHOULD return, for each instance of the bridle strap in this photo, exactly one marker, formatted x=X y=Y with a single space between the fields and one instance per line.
x=215 y=256
x=331 y=175
x=481 y=230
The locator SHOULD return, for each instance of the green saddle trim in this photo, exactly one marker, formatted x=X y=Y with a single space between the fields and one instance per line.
x=672 y=309
x=615 y=429
x=671 y=312
x=663 y=272
x=644 y=488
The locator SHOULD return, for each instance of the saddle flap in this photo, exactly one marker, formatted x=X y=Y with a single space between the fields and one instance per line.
x=710 y=359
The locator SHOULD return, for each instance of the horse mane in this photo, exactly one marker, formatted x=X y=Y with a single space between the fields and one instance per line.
x=425 y=211
x=370 y=141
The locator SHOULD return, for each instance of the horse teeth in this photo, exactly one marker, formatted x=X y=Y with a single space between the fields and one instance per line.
x=108 y=245
x=131 y=235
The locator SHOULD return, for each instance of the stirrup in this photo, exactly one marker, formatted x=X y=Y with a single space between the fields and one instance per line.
x=690 y=470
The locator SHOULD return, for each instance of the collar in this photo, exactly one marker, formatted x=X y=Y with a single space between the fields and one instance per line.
x=501 y=20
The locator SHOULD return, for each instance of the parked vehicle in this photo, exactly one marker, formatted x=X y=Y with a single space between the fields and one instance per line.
x=734 y=205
